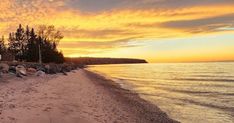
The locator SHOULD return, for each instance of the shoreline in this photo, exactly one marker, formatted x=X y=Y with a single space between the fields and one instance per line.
x=80 y=96
x=143 y=108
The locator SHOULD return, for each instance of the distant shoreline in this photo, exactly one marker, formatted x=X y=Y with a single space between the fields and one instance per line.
x=99 y=61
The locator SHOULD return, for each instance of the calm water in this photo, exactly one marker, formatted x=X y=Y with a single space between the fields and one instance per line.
x=187 y=92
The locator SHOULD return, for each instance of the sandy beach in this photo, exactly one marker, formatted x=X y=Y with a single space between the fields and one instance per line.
x=79 y=97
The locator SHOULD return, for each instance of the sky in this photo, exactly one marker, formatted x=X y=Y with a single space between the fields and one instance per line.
x=155 y=30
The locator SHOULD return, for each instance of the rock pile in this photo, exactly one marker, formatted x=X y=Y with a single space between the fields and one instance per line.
x=24 y=69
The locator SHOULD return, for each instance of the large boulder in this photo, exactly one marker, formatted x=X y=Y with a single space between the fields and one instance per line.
x=41 y=68
x=66 y=68
x=40 y=73
x=20 y=70
x=52 y=68
x=37 y=66
x=4 y=68
x=31 y=71
x=12 y=69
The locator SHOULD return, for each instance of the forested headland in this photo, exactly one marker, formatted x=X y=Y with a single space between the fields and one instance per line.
x=96 y=61
x=40 y=45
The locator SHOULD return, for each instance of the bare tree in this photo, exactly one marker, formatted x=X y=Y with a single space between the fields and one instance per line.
x=49 y=34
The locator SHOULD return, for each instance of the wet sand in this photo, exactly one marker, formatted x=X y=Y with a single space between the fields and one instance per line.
x=80 y=97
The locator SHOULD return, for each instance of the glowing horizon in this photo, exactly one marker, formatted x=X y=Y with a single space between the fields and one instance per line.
x=155 y=30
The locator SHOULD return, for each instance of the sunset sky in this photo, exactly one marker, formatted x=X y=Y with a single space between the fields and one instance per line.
x=155 y=30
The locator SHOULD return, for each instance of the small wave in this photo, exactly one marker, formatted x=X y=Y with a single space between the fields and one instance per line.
x=199 y=79
x=211 y=76
x=208 y=93
x=189 y=101
x=226 y=108
x=206 y=72
x=202 y=93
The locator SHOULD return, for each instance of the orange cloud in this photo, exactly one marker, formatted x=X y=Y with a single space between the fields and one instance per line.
x=120 y=25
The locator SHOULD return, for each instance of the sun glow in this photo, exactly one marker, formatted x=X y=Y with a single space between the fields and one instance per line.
x=120 y=29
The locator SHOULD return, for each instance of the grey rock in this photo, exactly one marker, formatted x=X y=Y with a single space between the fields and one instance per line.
x=20 y=70
x=12 y=69
x=40 y=73
x=52 y=68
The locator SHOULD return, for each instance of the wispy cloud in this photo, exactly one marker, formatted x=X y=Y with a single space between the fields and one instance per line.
x=105 y=5
x=91 y=47
x=204 y=24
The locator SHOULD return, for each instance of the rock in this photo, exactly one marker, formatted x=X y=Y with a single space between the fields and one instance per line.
x=41 y=68
x=66 y=68
x=4 y=68
x=12 y=69
x=52 y=68
x=37 y=66
x=31 y=70
x=64 y=73
x=20 y=70
x=18 y=75
x=40 y=73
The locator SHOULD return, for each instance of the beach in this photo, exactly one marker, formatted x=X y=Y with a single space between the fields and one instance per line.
x=79 y=97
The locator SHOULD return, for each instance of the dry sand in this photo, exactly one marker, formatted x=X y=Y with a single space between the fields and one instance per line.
x=80 y=97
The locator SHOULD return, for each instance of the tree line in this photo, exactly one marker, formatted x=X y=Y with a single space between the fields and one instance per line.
x=94 y=61
x=26 y=44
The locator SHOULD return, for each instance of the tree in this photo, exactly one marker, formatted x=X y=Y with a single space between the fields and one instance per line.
x=17 y=43
x=20 y=39
x=13 y=45
x=32 y=47
x=50 y=33
x=2 y=45
x=26 y=45
x=49 y=38
x=27 y=33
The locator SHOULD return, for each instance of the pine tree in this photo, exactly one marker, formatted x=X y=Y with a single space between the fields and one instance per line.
x=13 y=46
x=32 y=47
x=27 y=33
x=26 y=41
x=25 y=44
x=20 y=42
x=2 y=45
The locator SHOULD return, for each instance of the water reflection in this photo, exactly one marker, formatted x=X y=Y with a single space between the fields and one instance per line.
x=188 y=92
